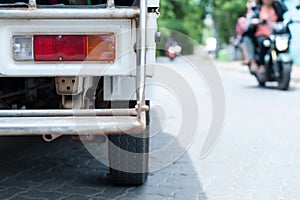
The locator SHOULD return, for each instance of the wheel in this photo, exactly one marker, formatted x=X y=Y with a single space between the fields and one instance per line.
x=128 y=163
x=250 y=71
x=285 y=76
x=261 y=79
x=123 y=164
x=262 y=84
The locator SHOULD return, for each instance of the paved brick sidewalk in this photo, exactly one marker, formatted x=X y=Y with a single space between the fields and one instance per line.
x=64 y=169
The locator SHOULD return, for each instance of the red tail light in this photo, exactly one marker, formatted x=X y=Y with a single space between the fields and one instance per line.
x=55 y=47
x=74 y=47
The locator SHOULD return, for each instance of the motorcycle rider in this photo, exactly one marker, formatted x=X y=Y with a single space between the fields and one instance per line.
x=266 y=11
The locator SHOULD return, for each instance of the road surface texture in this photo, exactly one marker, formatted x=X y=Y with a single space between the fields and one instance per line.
x=256 y=157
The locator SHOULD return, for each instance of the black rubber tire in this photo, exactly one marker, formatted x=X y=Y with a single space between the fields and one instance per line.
x=128 y=163
x=262 y=83
x=122 y=163
x=261 y=79
x=284 y=82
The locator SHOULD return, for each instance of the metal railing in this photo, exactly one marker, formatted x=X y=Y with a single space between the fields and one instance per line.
x=70 y=125
x=56 y=13
x=96 y=121
x=141 y=69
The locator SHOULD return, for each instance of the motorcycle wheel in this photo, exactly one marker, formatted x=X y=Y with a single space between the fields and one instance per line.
x=261 y=79
x=250 y=71
x=285 y=76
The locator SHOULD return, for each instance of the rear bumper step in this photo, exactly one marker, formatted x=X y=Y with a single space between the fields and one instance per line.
x=70 y=112
x=32 y=123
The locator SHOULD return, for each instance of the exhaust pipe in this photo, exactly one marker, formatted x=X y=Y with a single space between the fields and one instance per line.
x=51 y=137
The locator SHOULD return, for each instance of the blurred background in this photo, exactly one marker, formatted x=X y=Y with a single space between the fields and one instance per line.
x=212 y=23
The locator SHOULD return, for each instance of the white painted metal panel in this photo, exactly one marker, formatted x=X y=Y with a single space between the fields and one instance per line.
x=124 y=63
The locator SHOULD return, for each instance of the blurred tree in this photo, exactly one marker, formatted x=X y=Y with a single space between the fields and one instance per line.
x=225 y=15
x=187 y=17
x=183 y=16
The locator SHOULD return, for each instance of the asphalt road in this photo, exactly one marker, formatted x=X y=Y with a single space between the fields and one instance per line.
x=257 y=155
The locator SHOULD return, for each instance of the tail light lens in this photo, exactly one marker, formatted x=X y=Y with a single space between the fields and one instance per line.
x=58 y=47
x=101 y=47
x=22 y=48
x=64 y=47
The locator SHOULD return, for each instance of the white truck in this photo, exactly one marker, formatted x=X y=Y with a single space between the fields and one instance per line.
x=73 y=67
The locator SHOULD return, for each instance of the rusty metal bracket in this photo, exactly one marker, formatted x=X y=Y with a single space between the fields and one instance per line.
x=68 y=85
x=51 y=137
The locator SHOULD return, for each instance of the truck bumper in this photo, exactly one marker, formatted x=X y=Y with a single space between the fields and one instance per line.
x=70 y=122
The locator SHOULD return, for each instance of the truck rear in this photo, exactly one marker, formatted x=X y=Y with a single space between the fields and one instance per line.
x=76 y=67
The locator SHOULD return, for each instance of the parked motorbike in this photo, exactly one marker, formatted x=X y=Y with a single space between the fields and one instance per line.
x=277 y=61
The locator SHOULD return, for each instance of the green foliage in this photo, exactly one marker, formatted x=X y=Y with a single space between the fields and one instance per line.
x=187 y=17
x=184 y=16
x=223 y=55
x=226 y=14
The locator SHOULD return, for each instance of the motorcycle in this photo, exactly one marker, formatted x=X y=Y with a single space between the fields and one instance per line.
x=277 y=61
x=173 y=50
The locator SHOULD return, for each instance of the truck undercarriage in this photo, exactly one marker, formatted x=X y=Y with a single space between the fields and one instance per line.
x=28 y=93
